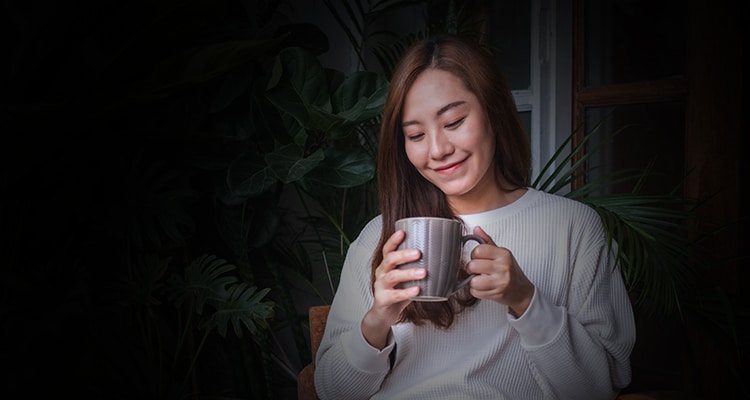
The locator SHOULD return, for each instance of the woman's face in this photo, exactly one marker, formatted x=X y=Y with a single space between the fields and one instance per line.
x=448 y=140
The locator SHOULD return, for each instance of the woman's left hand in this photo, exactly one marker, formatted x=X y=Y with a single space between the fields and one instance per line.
x=499 y=277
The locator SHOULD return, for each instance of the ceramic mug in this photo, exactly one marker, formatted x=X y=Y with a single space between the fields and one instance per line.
x=441 y=243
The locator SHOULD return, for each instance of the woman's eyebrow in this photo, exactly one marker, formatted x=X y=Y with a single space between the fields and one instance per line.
x=449 y=106
x=438 y=113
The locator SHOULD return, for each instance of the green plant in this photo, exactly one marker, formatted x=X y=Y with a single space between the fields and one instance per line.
x=659 y=249
x=651 y=230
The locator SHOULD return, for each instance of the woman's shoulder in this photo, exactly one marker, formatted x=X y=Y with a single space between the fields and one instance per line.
x=369 y=235
x=566 y=207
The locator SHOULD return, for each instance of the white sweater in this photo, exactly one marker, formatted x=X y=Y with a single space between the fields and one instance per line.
x=573 y=342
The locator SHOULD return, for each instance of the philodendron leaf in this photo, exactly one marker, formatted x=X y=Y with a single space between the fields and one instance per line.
x=205 y=278
x=342 y=168
x=249 y=176
x=299 y=87
x=289 y=163
x=360 y=97
x=242 y=308
x=293 y=130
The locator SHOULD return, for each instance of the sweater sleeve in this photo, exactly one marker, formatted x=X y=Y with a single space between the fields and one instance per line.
x=346 y=366
x=585 y=348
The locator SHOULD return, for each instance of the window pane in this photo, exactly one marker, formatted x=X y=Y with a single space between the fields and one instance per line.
x=510 y=33
x=649 y=133
x=634 y=40
x=526 y=122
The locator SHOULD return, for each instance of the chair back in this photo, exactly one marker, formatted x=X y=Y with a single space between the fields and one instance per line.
x=317 y=316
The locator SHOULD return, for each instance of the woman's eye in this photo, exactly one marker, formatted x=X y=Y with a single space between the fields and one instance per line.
x=414 y=136
x=455 y=123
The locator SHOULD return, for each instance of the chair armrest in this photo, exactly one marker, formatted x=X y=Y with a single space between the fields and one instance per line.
x=306 y=383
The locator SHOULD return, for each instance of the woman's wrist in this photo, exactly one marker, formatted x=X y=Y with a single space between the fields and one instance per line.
x=374 y=332
x=518 y=309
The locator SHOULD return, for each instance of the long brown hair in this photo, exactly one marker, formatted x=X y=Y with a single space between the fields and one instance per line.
x=402 y=191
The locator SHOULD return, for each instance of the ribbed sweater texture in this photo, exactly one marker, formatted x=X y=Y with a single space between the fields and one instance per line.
x=573 y=342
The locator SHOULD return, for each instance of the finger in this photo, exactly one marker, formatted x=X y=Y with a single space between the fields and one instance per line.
x=488 y=283
x=387 y=297
x=479 y=266
x=390 y=263
x=409 y=293
x=399 y=257
x=396 y=276
x=482 y=234
x=492 y=252
x=392 y=243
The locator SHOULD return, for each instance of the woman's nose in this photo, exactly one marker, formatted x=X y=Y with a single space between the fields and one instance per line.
x=440 y=146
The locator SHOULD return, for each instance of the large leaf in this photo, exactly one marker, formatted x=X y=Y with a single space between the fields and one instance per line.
x=248 y=225
x=341 y=168
x=299 y=87
x=205 y=278
x=360 y=97
x=289 y=163
x=249 y=176
x=321 y=100
x=242 y=308
x=267 y=127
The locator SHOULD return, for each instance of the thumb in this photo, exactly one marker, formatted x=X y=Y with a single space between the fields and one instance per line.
x=482 y=234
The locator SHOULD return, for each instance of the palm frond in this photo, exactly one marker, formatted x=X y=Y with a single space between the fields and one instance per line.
x=651 y=233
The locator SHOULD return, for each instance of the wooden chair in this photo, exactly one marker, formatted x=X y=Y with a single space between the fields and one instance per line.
x=318 y=316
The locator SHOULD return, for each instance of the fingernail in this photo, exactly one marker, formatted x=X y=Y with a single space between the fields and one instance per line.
x=420 y=272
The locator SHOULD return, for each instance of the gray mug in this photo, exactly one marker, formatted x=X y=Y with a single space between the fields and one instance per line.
x=441 y=243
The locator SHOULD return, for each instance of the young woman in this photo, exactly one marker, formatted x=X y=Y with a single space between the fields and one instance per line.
x=546 y=316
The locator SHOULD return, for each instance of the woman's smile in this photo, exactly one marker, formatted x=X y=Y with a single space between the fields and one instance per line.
x=449 y=168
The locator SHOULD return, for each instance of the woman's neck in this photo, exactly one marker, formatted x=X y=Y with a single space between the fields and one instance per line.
x=480 y=202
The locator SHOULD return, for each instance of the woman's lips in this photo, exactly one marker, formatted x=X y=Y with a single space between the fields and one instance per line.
x=447 y=169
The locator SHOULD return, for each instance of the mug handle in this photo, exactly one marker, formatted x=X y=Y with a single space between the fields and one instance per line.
x=463 y=283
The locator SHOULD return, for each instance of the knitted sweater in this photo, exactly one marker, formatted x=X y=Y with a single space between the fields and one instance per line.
x=573 y=341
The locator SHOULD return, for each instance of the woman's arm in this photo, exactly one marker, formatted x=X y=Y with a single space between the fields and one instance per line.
x=582 y=350
x=353 y=357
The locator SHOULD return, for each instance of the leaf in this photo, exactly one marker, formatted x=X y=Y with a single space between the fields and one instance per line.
x=299 y=87
x=204 y=279
x=242 y=308
x=360 y=97
x=289 y=164
x=266 y=125
x=341 y=168
x=249 y=176
x=249 y=225
x=653 y=238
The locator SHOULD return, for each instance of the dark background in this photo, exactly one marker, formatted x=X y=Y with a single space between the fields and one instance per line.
x=97 y=98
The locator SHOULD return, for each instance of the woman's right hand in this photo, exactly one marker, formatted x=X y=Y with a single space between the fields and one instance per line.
x=390 y=301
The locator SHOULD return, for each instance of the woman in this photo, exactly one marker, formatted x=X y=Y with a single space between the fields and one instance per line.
x=547 y=314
